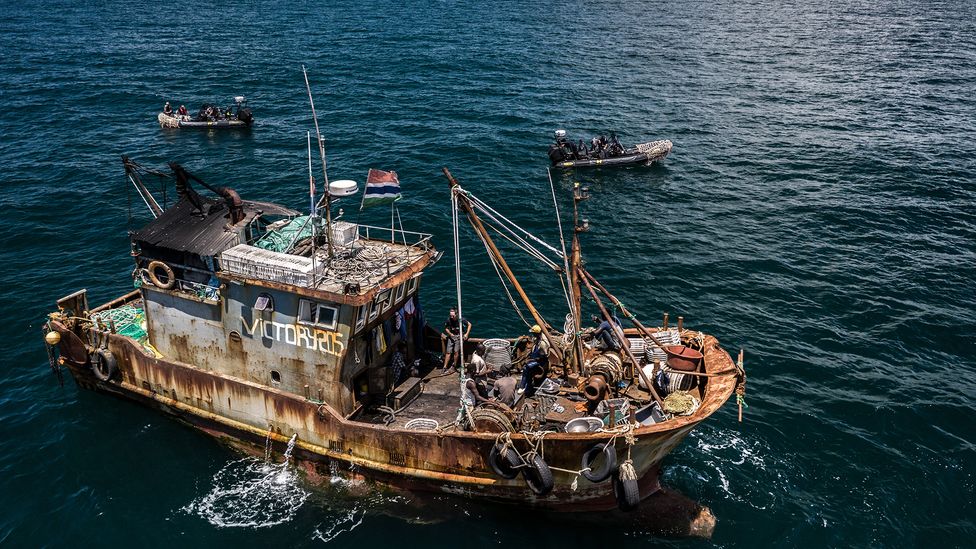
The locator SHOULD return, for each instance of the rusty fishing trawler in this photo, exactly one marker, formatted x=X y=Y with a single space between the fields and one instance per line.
x=253 y=322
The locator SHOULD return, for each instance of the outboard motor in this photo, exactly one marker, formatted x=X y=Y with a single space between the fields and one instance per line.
x=556 y=154
x=245 y=116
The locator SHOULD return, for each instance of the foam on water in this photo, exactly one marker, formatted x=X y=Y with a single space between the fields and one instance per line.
x=760 y=478
x=250 y=493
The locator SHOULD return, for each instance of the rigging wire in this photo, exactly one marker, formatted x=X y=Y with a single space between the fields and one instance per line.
x=457 y=279
x=501 y=279
x=562 y=243
x=495 y=214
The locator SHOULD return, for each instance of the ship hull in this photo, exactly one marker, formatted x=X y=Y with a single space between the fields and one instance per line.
x=452 y=462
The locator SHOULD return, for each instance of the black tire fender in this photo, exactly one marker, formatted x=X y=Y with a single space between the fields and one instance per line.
x=627 y=493
x=507 y=465
x=154 y=278
x=104 y=365
x=609 y=466
x=538 y=476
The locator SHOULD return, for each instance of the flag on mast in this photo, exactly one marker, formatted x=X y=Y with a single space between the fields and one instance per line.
x=381 y=188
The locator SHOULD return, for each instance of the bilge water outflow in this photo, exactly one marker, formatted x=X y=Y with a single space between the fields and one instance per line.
x=251 y=493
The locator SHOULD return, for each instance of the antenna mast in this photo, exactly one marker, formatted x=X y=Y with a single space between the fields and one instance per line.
x=328 y=195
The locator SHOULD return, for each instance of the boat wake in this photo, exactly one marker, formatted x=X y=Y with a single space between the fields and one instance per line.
x=745 y=468
x=251 y=493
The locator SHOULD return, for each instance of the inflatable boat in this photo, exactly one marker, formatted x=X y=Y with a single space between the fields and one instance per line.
x=210 y=116
x=605 y=152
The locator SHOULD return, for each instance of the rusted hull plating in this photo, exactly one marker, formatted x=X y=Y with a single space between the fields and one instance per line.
x=449 y=462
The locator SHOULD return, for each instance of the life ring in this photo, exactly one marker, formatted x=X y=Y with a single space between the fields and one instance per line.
x=103 y=364
x=170 y=281
x=627 y=493
x=609 y=465
x=538 y=475
x=507 y=465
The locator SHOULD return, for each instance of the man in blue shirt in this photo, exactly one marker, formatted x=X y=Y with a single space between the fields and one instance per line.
x=606 y=333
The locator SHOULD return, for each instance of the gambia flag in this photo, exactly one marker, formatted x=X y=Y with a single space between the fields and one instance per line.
x=381 y=188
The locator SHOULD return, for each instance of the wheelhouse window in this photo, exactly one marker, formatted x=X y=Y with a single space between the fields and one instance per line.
x=317 y=314
x=385 y=299
x=401 y=289
x=361 y=315
x=412 y=285
x=374 y=310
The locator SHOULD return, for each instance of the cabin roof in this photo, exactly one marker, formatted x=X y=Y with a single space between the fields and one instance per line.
x=182 y=227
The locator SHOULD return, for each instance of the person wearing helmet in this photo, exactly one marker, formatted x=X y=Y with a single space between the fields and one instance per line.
x=536 y=363
x=167 y=110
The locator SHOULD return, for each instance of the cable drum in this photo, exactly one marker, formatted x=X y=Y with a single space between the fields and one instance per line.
x=670 y=380
x=422 y=424
x=498 y=354
x=607 y=364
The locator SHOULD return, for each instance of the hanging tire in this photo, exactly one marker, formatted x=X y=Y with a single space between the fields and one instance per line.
x=609 y=466
x=627 y=493
x=538 y=476
x=104 y=365
x=507 y=465
x=170 y=277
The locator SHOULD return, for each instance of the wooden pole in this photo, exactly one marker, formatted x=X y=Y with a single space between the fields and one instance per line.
x=483 y=233
x=587 y=277
x=623 y=341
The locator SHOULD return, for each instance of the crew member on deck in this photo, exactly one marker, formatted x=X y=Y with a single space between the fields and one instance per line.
x=606 y=334
x=454 y=329
x=167 y=110
x=398 y=364
x=504 y=390
x=537 y=362
x=473 y=389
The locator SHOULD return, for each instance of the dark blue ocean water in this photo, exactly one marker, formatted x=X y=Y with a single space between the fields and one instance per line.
x=818 y=210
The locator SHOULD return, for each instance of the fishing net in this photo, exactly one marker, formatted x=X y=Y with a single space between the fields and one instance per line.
x=278 y=240
x=128 y=320
x=680 y=403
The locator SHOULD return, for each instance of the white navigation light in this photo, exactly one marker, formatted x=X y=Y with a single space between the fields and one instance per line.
x=343 y=187
x=560 y=134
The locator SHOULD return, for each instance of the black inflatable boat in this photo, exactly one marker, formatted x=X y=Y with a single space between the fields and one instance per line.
x=605 y=152
x=210 y=116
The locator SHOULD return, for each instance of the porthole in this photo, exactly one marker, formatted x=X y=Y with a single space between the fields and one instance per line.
x=275 y=376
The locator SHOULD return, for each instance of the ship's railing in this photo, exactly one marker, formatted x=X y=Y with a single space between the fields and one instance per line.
x=198 y=289
x=396 y=236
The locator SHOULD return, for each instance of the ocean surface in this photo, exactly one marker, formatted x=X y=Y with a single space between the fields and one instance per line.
x=818 y=211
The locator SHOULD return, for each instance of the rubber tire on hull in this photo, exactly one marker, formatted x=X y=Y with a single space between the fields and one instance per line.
x=538 y=476
x=609 y=467
x=506 y=466
x=103 y=364
x=627 y=493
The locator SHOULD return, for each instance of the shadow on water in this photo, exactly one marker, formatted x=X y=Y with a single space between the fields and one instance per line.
x=254 y=493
